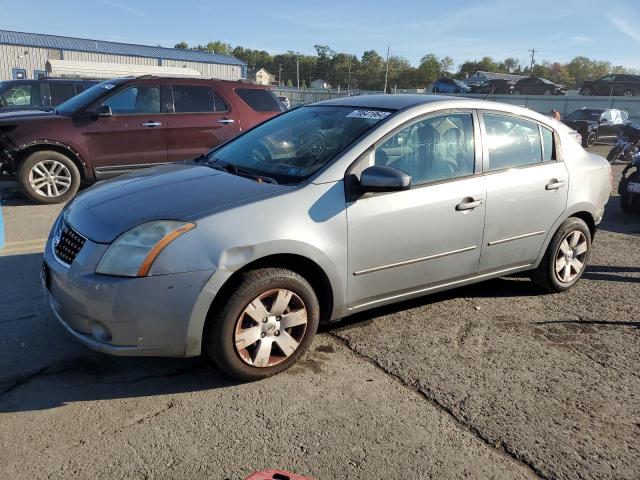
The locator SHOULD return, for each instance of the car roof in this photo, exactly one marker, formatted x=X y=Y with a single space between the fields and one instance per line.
x=386 y=102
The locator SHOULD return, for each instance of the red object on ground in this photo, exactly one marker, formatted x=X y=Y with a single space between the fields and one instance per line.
x=276 y=475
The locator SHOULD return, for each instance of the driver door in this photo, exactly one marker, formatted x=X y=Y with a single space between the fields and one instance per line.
x=134 y=136
x=400 y=243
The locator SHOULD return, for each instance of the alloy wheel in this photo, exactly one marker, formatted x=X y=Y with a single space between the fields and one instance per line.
x=571 y=256
x=270 y=328
x=50 y=178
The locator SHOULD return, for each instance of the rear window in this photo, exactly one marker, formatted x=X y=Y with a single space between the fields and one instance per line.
x=260 y=100
x=61 y=92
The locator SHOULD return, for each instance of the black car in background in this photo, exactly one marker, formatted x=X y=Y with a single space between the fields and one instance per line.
x=39 y=94
x=497 y=86
x=612 y=85
x=538 y=86
x=597 y=124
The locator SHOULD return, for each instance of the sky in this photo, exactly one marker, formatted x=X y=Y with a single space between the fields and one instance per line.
x=462 y=29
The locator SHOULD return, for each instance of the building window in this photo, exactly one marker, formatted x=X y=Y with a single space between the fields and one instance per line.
x=38 y=74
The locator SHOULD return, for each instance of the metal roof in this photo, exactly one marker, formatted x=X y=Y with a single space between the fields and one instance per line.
x=99 y=46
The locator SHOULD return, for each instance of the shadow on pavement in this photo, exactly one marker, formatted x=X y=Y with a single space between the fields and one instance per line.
x=42 y=367
x=592 y=322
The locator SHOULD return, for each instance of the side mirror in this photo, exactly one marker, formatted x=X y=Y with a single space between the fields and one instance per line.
x=603 y=121
x=101 y=111
x=379 y=178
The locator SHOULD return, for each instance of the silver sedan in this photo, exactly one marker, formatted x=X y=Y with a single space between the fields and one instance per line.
x=321 y=212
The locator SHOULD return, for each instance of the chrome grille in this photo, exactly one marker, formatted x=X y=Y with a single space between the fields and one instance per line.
x=67 y=243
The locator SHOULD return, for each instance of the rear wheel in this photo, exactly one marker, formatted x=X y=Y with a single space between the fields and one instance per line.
x=49 y=177
x=586 y=92
x=628 y=93
x=265 y=326
x=590 y=141
x=566 y=258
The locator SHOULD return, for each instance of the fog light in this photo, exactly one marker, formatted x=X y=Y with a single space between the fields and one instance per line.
x=100 y=331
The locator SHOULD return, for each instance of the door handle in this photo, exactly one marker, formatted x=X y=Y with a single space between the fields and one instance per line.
x=554 y=184
x=151 y=124
x=468 y=204
x=226 y=121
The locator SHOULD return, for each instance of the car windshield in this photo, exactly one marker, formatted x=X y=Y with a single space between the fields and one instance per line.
x=546 y=81
x=292 y=146
x=460 y=84
x=87 y=97
x=585 y=114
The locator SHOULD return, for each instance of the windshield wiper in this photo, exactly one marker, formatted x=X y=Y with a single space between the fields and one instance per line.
x=233 y=169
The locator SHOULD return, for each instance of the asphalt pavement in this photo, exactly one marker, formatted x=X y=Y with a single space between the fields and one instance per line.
x=494 y=380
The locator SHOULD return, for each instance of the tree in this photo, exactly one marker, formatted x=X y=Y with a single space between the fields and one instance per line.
x=181 y=46
x=289 y=83
x=218 y=47
x=370 y=73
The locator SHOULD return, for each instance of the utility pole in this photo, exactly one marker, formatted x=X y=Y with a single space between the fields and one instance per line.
x=533 y=53
x=298 y=71
x=349 y=78
x=280 y=74
x=386 y=74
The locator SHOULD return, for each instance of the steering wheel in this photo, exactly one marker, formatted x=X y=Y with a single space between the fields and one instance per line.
x=315 y=144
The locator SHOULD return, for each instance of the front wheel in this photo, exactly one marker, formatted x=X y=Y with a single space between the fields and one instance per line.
x=614 y=154
x=264 y=326
x=628 y=93
x=49 y=177
x=586 y=92
x=566 y=258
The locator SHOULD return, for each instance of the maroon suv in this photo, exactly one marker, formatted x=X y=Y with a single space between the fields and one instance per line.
x=122 y=125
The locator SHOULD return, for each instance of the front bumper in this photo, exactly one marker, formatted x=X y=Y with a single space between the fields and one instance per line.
x=143 y=316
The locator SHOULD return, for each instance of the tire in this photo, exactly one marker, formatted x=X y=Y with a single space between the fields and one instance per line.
x=590 y=141
x=627 y=203
x=60 y=188
x=548 y=92
x=221 y=334
x=587 y=92
x=545 y=275
x=613 y=155
x=628 y=93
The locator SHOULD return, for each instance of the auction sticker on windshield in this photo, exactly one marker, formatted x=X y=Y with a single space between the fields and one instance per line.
x=370 y=114
x=633 y=187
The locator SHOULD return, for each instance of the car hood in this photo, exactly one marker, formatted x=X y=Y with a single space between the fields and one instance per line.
x=178 y=191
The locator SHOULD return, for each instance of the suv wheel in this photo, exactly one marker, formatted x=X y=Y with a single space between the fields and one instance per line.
x=265 y=326
x=628 y=93
x=590 y=141
x=566 y=258
x=49 y=177
x=587 y=92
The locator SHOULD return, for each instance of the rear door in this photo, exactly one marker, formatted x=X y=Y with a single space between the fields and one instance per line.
x=199 y=119
x=526 y=190
x=134 y=136
x=262 y=103
x=60 y=92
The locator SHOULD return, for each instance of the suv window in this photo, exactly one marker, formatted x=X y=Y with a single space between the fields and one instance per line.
x=135 y=101
x=61 y=92
x=260 y=100
x=512 y=142
x=21 y=95
x=195 y=99
x=436 y=148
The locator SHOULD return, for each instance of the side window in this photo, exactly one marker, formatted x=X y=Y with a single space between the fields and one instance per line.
x=135 y=101
x=260 y=100
x=625 y=115
x=436 y=148
x=21 y=95
x=548 y=152
x=61 y=92
x=512 y=142
x=608 y=116
x=193 y=99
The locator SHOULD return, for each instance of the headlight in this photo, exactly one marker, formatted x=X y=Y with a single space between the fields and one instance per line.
x=133 y=252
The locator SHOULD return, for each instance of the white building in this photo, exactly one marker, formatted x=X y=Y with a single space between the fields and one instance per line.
x=25 y=55
x=261 y=77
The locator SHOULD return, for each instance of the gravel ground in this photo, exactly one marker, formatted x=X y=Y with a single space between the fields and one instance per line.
x=495 y=380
